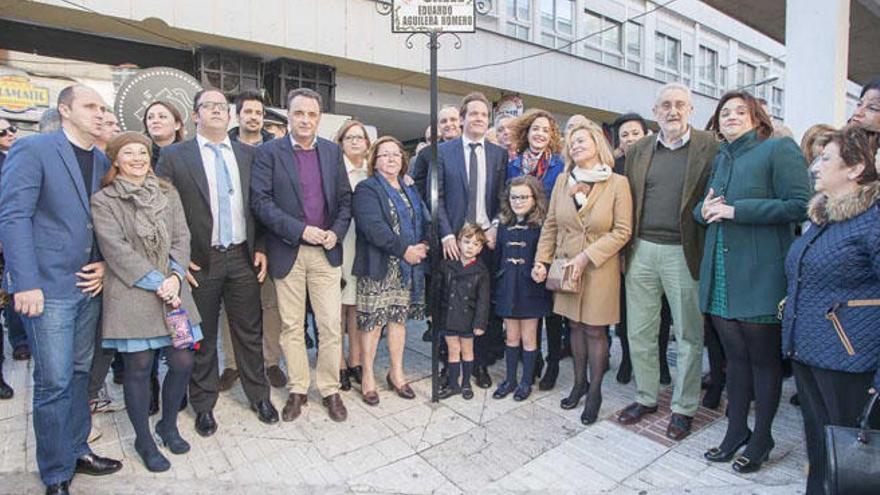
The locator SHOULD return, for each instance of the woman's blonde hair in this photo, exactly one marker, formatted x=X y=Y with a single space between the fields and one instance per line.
x=603 y=149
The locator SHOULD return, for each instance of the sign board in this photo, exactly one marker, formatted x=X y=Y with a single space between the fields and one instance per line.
x=433 y=16
x=175 y=87
x=18 y=95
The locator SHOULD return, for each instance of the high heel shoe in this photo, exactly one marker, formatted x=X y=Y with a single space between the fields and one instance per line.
x=404 y=392
x=746 y=465
x=171 y=439
x=574 y=397
x=591 y=409
x=716 y=454
x=153 y=459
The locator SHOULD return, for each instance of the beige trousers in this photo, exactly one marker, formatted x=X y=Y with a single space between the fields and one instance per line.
x=271 y=329
x=311 y=270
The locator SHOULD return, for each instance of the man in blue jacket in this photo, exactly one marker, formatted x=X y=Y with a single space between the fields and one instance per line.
x=55 y=270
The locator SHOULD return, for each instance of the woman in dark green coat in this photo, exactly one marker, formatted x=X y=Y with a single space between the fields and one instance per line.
x=758 y=190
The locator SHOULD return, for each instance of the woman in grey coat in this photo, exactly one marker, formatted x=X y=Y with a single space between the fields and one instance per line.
x=143 y=236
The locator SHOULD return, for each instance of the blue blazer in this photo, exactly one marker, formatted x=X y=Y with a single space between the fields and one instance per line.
x=453 y=202
x=376 y=240
x=45 y=218
x=557 y=165
x=276 y=201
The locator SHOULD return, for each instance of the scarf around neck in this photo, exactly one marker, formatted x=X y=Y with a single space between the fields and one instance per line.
x=534 y=162
x=410 y=221
x=578 y=175
x=150 y=203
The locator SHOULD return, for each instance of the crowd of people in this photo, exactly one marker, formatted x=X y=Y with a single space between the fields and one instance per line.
x=146 y=246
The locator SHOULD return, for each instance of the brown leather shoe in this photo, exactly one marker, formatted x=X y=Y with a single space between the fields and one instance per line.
x=276 y=377
x=679 y=427
x=293 y=407
x=335 y=407
x=227 y=379
x=634 y=412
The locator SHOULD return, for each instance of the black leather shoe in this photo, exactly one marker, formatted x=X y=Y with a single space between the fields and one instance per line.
x=344 y=380
x=62 y=488
x=746 y=465
x=447 y=392
x=205 y=424
x=95 y=465
x=634 y=412
x=467 y=393
x=482 y=376
x=171 y=439
x=6 y=391
x=266 y=412
x=717 y=454
x=356 y=373
x=504 y=389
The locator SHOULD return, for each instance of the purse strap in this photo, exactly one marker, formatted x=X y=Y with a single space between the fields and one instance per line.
x=864 y=427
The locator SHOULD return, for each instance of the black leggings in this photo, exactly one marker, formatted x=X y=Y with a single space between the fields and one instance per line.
x=754 y=369
x=136 y=389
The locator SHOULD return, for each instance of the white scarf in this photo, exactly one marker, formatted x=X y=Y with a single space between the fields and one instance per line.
x=599 y=173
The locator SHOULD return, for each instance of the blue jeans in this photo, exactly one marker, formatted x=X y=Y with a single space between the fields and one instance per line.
x=62 y=340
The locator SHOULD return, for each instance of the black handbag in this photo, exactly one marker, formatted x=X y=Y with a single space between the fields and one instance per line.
x=853 y=457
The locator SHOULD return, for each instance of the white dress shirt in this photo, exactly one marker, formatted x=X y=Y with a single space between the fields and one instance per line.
x=681 y=142
x=239 y=227
x=482 y=217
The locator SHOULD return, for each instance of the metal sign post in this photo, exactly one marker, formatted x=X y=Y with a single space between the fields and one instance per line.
x=433 y=19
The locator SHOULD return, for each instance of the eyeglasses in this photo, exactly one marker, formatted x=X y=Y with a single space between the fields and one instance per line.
x=388 y=156
x=214 y=105
x=681 y=106
x=354 y=138
x=524 y=197
x=9 y=130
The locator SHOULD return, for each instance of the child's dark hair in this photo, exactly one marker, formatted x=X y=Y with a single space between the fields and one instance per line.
x=535 y=217
x=472 y=230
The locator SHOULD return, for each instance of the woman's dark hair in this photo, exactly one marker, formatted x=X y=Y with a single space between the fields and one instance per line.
x=347 y=126
x=872 y=84
x=178 y=118
x=623 y=119
x=856 y=147
x=759 y=117
x=519 y=131
x=373 y=155
x=535 y=217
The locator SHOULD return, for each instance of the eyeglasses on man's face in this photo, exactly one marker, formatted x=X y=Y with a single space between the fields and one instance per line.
x=214 y=105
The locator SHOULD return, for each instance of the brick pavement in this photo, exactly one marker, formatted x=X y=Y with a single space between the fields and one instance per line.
x=457 y=446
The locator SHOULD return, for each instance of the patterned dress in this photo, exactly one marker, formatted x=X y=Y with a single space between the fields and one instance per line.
x=380 y=302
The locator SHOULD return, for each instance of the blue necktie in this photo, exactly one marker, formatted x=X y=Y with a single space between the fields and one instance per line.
x=224 y=195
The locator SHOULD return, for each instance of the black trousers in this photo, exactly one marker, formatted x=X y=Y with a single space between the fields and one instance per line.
x=230 y=279
x=828 y=398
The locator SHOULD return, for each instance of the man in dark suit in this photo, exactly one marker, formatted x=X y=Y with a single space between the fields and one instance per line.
x=212 y=175
x=472 y=174
x=55 y=270
x=448 y=129
x=301 y=193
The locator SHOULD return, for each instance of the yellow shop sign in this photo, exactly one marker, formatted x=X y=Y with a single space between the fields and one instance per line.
x=17 y=94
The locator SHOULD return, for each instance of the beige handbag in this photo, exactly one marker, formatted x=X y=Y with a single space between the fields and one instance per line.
x=559 y=277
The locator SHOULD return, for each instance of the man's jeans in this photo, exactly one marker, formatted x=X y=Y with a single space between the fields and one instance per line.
x=62 y=340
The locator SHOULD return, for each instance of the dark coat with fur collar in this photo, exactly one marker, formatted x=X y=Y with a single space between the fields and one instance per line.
x=835 y=261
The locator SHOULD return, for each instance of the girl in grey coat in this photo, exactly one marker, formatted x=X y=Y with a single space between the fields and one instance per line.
x=143 y=236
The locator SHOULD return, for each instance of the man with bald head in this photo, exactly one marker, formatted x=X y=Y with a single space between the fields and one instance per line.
x=448 y=128
x=667 y=173
x=55 y=271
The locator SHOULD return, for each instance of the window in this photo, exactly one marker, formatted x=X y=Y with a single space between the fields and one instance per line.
x=746 y=76
x=286 y=74
x=556 y=23
x=667 y=58
x=634 y=47
x=708 y=71
x=722 y=79
x=776 y=105
x=232 y=73
x=605 y=41
x=687 y=68
x=519 y=18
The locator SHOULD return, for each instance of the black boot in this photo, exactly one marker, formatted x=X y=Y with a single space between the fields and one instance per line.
x=344 y=380
x=154 y=395
x=549 y=379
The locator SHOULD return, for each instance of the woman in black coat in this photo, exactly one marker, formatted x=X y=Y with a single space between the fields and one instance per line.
x=392 y=231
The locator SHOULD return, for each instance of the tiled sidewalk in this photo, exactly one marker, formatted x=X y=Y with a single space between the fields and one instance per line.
x=457 y=446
